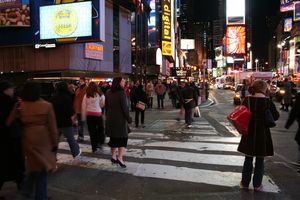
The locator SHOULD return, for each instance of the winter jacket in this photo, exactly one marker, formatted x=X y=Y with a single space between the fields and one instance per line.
x=117 y=115
x=258 y=141
x=92 y=106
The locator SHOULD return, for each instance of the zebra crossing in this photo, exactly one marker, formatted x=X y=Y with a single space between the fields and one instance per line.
x=196 y=155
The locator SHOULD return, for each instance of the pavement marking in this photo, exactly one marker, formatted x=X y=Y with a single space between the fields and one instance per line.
x=196 y=146
x=230 y=128
x=234 y=140
x=213 y=159
x=212 y=177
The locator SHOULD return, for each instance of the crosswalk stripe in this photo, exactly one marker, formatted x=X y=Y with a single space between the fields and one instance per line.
x=234 y=140
x=212 y=177
x=213 y=159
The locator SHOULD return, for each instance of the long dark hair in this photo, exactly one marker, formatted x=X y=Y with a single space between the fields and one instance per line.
x=92 y=90
x=116 y=84
x=31 y=92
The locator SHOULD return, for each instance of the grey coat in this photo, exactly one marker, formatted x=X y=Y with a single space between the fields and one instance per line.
x=117 y=116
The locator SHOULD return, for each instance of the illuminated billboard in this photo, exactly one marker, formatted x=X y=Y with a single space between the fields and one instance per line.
x=297 y=11
x=235 y=40
x=287 y=24
x=167 y=47
x=14 y=13
x=235 y=12
x=66 y=20
x=286 y=5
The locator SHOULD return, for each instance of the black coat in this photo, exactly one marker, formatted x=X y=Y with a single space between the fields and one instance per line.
x=295 y=115
x=258 y=142
x=186 y=94
x=139 y=95
x=63 y=108
x=117 y=115
x=12 y=165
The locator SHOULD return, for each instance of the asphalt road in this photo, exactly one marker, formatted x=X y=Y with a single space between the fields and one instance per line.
x=166 y=161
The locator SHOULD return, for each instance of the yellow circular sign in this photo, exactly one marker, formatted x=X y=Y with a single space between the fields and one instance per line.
x=65 y=21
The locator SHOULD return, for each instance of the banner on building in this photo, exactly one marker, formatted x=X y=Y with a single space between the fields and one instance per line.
x=286 y=5
x=93 y=51
x=288 y=24
x=14 y=13
x=166 y=28
x=235 y=40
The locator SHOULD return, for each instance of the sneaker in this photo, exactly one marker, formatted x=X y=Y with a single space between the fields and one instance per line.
x=188 y=126
x=78 y=155
x=258 y=189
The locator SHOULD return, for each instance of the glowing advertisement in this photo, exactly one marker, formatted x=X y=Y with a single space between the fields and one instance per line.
x=166 y=28
x=94 y=51
x=152 y=20
x=235 y=12
x=14 y=13
x=235 y=40
x=66 y=20
x=297 y=12
x=287 y=24
x=286 y=5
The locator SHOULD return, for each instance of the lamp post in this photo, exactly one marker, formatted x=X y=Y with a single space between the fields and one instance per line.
x=256 y=62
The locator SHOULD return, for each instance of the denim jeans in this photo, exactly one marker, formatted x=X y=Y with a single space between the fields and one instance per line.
x=160 y=101
x=137 y=113
x=68 y=133
x=96 y=131
x=188 y=116
x=40 y=181
x=80 y=126
x=258 y=171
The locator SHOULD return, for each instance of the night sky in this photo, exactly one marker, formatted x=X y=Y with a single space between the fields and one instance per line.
x=207 y=10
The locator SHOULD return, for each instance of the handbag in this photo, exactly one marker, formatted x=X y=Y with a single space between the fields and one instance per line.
x=240 y=118
x=140 y=105
x=269 y=119
x=197 y=112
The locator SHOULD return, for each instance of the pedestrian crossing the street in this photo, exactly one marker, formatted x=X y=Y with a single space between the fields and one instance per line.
x=196 y=155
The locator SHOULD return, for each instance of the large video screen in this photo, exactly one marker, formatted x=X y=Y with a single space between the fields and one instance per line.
x=235 y=12
x=235 y=40
x=66 y=20
x=14 y=13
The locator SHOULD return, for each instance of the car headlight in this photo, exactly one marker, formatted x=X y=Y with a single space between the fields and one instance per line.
x=282 y=91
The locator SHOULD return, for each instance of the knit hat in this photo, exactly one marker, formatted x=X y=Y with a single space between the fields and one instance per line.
x=5 y=85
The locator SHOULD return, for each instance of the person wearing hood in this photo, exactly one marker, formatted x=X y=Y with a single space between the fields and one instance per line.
x=65 y=116
x=12 y=168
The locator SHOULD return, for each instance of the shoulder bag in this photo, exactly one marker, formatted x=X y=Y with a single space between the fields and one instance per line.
x=240 y=118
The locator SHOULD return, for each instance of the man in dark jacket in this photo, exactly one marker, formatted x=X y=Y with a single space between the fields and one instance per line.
x=188 y=102
x=139 y=96
x=12 y=165
x=65 y=115
x=295 y=115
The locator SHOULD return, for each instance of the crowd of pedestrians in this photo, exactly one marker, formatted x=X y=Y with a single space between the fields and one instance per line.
x=31 y=127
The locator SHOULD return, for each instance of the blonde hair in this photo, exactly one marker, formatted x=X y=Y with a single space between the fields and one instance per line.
x=259 y=86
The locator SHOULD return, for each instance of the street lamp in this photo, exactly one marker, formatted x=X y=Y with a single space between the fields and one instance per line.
x=256 y=62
